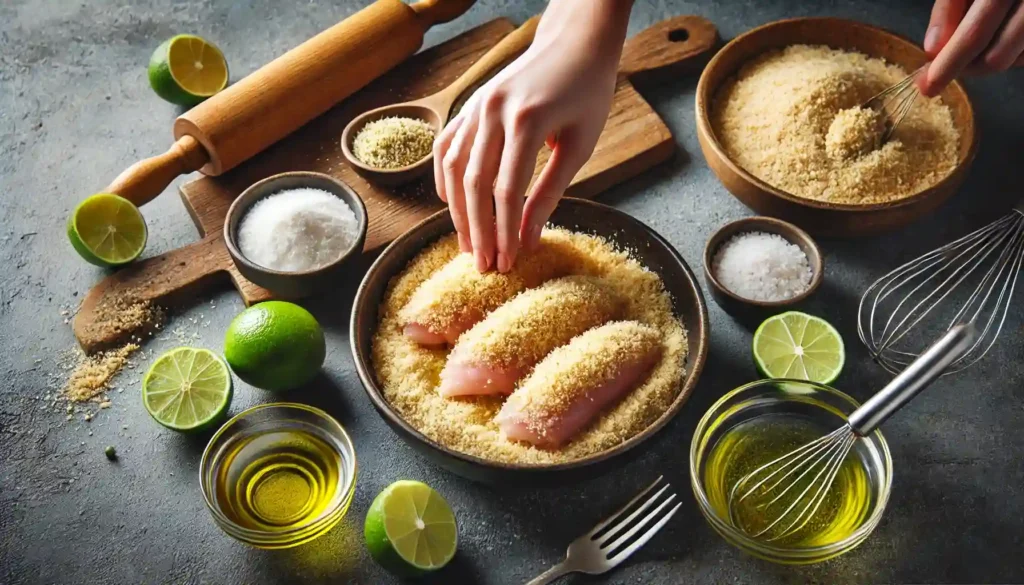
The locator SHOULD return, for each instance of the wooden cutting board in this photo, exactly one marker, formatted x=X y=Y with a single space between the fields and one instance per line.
x=634 y=140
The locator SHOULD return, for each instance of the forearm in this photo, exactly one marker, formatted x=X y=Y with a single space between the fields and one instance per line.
x=599 y=23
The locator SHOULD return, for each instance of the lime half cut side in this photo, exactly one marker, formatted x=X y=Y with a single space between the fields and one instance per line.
x=800 y=346
x=410 y=529
x=107 y=230
x=187 y=69
x=187 y=389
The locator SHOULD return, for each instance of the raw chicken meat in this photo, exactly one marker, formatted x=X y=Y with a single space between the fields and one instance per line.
x=492 y=356
x=458 y=296
x=576 y=382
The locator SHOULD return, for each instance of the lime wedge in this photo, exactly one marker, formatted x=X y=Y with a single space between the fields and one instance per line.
x=798 y=345
x=410 y=529
x=187 y=69
x=187 y=389
x=107 y=230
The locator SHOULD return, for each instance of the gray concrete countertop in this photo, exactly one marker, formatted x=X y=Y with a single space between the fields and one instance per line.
x=75 y=109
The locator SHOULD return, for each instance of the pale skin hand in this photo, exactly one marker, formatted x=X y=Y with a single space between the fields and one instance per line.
x=971 y=36
x=559 y=92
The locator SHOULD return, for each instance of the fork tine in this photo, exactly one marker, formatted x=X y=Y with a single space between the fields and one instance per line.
x=626 y=552
x=623 y=509
x=619 y=526
x=639 y=525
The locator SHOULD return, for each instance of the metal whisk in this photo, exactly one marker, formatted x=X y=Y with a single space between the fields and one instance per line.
x=895 y=102
x=811 y=469
x=973 y=278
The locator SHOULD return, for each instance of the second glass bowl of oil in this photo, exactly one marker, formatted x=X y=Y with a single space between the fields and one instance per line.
x=755 y=425
x=278 y=475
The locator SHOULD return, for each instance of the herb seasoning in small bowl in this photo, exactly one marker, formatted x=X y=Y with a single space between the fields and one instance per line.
x=758 y=266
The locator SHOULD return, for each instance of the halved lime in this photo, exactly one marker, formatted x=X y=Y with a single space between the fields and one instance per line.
x=187 y=389
x=107 y=230
x=410 y=529
x=187 y=69
x=798 y=345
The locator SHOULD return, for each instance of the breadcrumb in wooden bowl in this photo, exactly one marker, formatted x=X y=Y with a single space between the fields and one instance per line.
x=765 y=108
x=622 y=245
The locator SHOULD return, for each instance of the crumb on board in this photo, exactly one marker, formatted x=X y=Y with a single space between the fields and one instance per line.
x=409 y=374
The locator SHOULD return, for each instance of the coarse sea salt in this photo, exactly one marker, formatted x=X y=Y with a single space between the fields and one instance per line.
x=297 y=230
x=762 y=267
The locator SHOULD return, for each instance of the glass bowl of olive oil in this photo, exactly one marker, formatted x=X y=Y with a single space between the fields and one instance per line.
x=762 y=421
x=278 y=475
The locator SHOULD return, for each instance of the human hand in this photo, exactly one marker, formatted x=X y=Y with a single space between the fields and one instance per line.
x=559 y=92
x=971 y=36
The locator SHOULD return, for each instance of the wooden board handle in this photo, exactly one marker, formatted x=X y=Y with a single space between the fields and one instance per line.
x=146 y=179
x=437 y=11
x=667 y=48
x=178 y=273
x=509 y=48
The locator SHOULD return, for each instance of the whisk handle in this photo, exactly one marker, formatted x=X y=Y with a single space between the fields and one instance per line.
x=919 y=374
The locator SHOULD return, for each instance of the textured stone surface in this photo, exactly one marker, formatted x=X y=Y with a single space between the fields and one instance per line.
x=75 y=109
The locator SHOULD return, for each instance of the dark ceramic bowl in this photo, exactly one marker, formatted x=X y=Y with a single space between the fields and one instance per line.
x=742 y=307
x=647 y=246
x=293 y=285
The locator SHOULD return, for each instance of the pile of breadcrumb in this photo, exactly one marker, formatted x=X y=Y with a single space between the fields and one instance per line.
x=409 y=373
x=777 y=118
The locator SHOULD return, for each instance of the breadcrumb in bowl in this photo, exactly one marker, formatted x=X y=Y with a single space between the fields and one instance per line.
x=615 y=227
x=817 y=210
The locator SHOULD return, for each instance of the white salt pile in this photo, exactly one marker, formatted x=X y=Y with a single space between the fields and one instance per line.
x=762 y=267
x=297 y=230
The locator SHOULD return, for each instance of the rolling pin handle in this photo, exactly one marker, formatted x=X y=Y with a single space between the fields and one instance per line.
x=437 y=11
x=146 y=179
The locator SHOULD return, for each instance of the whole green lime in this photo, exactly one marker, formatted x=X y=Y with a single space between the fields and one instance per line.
x=275 y=346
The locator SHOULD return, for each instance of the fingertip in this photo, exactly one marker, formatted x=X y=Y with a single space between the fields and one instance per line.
x=464 y=245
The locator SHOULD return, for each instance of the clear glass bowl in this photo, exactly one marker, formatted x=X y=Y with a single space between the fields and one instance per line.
x=235 y=468
x=817 y=403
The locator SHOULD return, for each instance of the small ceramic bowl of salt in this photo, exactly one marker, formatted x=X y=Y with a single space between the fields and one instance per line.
x=293 y=233
x=760 y=266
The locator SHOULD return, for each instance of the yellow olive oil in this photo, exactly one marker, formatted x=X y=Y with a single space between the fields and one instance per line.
x=762 y=439
x=278 y=480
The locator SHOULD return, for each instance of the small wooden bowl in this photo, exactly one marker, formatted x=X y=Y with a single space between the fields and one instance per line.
x=400 y=175
x=745 y=308
x=818 y=217
x=293 y=285
x=648 y=247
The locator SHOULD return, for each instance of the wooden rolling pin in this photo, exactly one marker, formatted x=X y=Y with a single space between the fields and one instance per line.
x=291 y=90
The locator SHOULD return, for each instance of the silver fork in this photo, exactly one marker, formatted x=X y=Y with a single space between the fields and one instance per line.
x=593 y=552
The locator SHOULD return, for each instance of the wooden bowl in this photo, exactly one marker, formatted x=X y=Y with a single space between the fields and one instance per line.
x=648 y=247
x=293 y=285
x=400 y=175
x=818 y=217
x=742 y=307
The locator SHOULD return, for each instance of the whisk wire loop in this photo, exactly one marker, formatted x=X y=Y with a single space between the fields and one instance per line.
x=970 y=280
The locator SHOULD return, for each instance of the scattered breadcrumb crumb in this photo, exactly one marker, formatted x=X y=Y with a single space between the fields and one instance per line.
x=92 y=375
